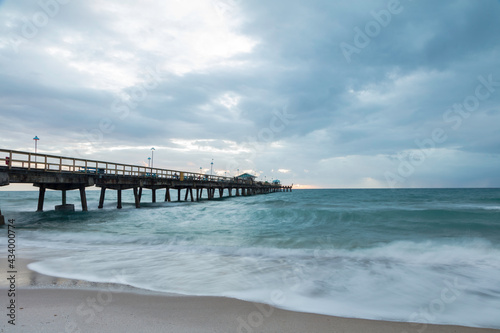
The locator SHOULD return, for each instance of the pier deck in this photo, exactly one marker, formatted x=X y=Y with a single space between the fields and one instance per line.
x=67 y=173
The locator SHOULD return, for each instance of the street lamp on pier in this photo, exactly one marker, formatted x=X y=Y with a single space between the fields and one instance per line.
x=36 y=143
x=152 y=152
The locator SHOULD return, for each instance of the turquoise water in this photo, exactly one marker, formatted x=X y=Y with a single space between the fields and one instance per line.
x=416 y=255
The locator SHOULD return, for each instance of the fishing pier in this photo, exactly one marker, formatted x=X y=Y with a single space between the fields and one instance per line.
x=66 y=173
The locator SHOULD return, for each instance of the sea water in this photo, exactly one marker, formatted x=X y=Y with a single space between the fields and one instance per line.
x=414 y=255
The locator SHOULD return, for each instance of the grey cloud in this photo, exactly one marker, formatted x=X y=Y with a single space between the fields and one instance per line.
x=394 y=92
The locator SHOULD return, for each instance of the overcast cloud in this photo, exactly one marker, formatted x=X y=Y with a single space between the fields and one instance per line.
x=317 y=93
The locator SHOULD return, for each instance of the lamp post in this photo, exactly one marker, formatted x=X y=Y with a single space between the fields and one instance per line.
x=36 y=143
x=36 y=138
x=149 y=162
x=152 y=153
x=211 y=167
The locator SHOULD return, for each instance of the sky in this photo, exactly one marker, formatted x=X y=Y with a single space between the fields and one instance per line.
x=321 y=94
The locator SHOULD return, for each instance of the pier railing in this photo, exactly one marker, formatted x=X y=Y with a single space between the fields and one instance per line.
x=47 y=163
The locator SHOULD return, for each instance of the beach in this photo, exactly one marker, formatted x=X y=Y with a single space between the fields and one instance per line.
x=398 y=261
x=51 y=304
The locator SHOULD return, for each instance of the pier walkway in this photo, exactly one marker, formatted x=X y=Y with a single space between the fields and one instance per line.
x=67 y=173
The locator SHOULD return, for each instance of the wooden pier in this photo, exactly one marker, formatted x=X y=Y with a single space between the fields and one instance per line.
x=67 y=173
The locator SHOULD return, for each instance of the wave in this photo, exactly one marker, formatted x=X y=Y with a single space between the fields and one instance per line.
x=390 y=281
x=375 y=254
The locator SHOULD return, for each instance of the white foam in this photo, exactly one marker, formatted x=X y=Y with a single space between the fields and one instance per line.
x=391 y=282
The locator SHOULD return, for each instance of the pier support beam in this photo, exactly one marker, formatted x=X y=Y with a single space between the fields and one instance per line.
x=119 y=199
x=101 y=198
x=221 y=192
x=167 y=194
x=137 y=198
x=41 y=198
x=65 y=206
x=178 y=194
x=191 y=194
x=2 y=218
x=83 y=198
x=153 y=193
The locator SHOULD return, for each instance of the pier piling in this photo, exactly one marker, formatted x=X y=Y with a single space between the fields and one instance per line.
x=83 y=198
x=137 y=198
x=119 y=199
x=41 y=198
x=167 y=194
x=101 y=198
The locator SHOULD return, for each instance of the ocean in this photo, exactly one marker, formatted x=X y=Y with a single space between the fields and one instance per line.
x=412 y=255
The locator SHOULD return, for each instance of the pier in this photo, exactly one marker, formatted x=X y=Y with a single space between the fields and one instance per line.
x=66 y=173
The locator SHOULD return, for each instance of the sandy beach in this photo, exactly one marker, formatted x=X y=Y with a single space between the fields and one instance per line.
x=49 y=304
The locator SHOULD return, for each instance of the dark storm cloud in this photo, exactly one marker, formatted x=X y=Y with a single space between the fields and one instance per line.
x=87 y=74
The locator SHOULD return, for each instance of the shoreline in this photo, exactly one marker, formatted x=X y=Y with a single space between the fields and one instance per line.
x=51 y=304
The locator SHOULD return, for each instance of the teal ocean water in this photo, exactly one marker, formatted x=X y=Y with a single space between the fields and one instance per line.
x=414 y=255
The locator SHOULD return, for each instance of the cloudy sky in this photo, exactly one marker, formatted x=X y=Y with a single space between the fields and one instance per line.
x=318 y=93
